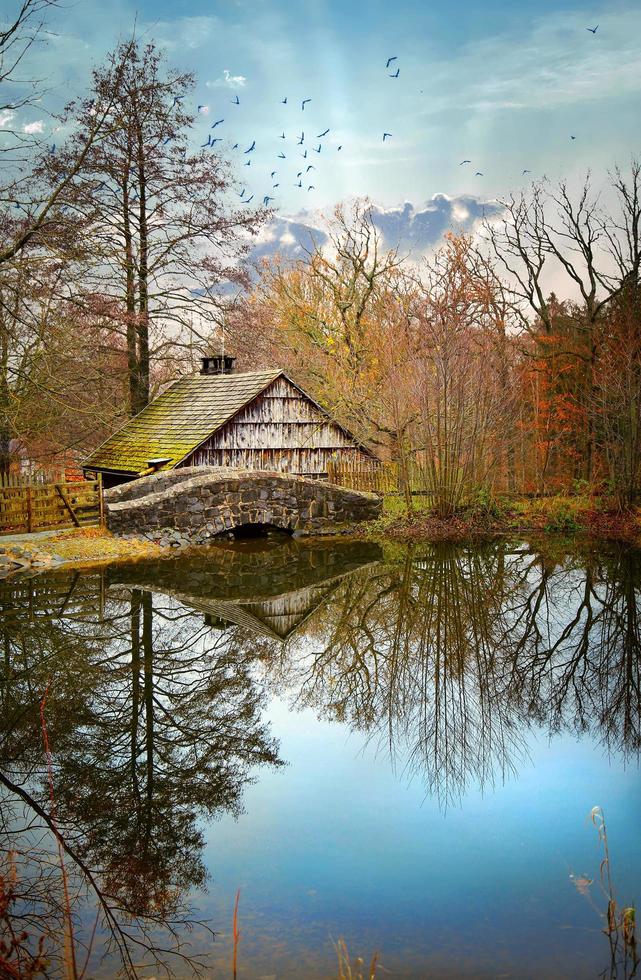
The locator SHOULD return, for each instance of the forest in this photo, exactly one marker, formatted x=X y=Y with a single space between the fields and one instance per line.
x=507 y=360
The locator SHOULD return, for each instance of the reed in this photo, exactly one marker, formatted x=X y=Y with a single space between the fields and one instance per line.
x=71 y=967
x=236 y=937
x=620 y=925
x=347 y=971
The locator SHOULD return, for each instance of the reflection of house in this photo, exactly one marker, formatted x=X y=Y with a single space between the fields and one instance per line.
x=261 y=420
x=276 y=618
x=268 y=589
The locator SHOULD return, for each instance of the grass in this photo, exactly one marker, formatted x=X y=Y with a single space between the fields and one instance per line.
x=95 y=545
x=485 y=513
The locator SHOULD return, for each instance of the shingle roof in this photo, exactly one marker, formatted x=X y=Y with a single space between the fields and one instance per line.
x=176 y=422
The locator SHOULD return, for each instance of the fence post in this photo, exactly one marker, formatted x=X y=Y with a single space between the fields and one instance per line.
x=29 y=510
x=101 y=501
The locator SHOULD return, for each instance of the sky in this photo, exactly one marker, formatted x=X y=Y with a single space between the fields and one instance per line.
x=505 y=85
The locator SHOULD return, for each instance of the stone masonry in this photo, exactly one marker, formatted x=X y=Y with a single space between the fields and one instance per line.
x=201 y=502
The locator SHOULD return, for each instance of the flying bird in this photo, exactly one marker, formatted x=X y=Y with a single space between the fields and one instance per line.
x=464 y=161
x=302 y=139
x=304 y=155
x=304 y=103
x=217 y=123
x=218 y=139
x=275 y=185
x=252 y=147
x=572 y=137
x=385 y=135
x=592 y=30
x=311 y=188
x=281 y=156
x=208 y=143
x=177 y=99
x=267 y=199
x=282 y=136
x=249 y=199
x=396 y=73
x=273 y=174
x=235 y=146
x=320 y=135
x=248 y=164
x=299 y=184
x=478 y=174
x=236 y=101
x=523 y=172
x=339 y=148
x=284 y=102
x=390 y=60
x=168 y=140
x=300 y=173
x=311 y=167
x=203 y=108
x=318 y=148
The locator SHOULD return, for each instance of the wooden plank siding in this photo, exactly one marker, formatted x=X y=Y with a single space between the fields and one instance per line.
x=282 y=430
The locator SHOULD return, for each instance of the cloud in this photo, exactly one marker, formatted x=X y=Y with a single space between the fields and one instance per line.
x=34 y=127
x=414 y=230
x=228 y=81
x=6 y=117
x=288 y=237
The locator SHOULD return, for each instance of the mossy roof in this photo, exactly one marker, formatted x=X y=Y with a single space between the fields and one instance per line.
x=178 y=421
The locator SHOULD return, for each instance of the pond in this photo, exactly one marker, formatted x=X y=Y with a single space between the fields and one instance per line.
x=395 y=747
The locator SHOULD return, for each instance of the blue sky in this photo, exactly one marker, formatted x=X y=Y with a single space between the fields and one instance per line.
x=505 y=85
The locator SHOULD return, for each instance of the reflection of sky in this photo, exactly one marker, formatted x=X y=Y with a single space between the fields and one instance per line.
x=337 y=845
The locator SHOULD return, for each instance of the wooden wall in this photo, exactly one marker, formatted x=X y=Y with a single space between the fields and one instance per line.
x=280 y=430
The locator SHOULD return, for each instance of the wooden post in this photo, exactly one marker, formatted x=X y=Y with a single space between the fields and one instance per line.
x=101 y=501
x=67 y=504
x=29 y=510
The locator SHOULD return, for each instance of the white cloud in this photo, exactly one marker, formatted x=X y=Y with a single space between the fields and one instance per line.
x=228 y=81
x=6 y=117
x=34 y=127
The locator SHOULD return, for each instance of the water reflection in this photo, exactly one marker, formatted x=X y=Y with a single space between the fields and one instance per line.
x=158 y=675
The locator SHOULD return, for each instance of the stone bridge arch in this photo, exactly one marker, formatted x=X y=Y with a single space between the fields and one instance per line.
x=204 y=501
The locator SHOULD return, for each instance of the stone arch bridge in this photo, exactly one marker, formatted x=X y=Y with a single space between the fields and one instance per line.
x=204 y=501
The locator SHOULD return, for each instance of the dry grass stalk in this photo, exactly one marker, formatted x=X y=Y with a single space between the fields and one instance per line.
x=236 y=936
x=348 y=972
x=71 y=968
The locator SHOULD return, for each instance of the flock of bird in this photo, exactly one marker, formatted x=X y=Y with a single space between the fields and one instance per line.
x=302 y=145
x=302 y=141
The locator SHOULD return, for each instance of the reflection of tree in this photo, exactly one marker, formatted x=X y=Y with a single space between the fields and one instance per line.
x=151 y=722
x=450 y=656
x=445 y=656
x=572 y=645
x=409 y=654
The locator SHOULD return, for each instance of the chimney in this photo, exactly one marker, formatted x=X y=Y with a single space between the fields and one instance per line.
x=220 y=364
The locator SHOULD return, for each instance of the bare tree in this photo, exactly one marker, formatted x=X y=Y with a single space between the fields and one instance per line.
x=157 y=217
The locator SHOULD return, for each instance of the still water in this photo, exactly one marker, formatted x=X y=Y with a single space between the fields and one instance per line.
x=395 y=747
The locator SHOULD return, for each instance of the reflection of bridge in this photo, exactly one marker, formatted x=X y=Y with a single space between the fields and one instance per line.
x=211 y=500
x=268 y=587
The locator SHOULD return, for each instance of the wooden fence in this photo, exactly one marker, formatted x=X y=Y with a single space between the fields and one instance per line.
x=381 y=478
x=46 y=506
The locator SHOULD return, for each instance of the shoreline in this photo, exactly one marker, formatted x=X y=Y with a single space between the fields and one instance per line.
x=547 y=518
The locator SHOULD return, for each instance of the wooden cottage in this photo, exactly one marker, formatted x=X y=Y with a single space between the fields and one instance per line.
x=260 y=420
